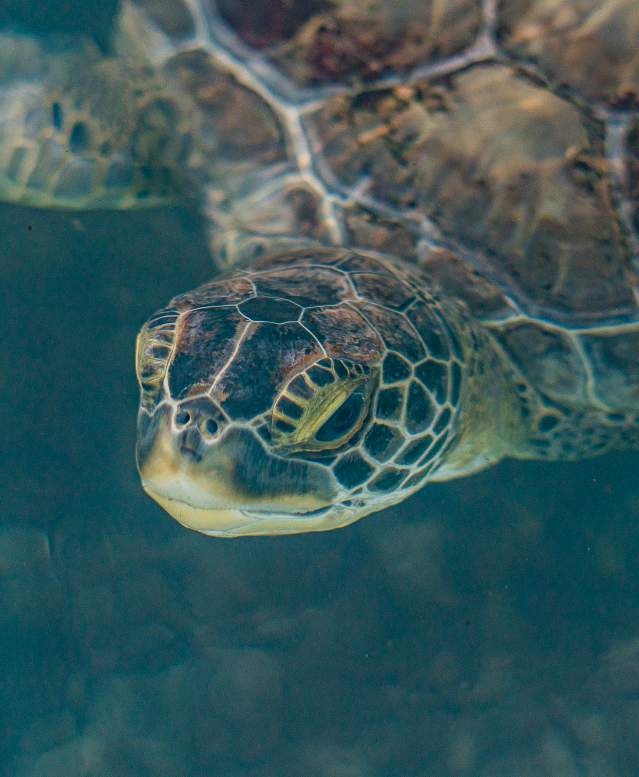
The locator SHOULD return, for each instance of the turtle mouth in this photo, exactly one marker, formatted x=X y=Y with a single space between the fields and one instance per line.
x=222 y=512
x=220 y=521
x=232 y=487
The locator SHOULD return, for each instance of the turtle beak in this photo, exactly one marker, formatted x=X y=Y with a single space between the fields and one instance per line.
x=231 y=485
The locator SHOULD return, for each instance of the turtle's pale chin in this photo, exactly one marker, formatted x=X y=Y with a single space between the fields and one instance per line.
x=235 y=522
x=209 y=520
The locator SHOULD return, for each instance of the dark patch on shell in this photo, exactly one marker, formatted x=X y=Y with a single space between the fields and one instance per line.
x=548 y=359
x=268 y=23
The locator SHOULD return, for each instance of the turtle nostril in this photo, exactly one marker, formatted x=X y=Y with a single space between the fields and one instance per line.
x=190 y=443
x=182 y=417
x=211 y=427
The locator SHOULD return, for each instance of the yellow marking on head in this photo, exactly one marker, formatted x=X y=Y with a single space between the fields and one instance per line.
x=318 y=406
x=316 y=411
x=154 y=347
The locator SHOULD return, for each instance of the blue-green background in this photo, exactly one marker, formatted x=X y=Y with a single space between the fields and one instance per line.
x=486 y=628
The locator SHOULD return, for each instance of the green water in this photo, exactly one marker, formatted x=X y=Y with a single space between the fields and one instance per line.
x=485 y=628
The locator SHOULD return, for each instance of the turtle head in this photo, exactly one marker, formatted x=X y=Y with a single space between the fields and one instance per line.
x=247 y=447
x=270 y=404
x=228 y=475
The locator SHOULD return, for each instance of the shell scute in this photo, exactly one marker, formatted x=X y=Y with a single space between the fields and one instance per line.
x=237 y=124
x=548 y=359
x=420 y=409
x=344 y=333
x=564 y=36
x=226 y=291
x=615 y=364
x=501 y=164
x=392 y=293
x=320 y=41
x=395 y=330
x=430 y=330
x=205 y=341
x=458 y=279
x=245 y=391
x=306 y=286
x=368 y=229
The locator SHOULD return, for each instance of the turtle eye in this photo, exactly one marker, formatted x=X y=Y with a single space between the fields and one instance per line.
x=339 y=425
x=153 y=349
x=322 y=407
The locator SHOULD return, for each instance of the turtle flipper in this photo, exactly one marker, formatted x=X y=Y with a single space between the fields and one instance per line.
x=80 y=130
x=577 y=391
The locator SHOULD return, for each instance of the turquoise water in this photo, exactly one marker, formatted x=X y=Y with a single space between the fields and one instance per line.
x=485 y=628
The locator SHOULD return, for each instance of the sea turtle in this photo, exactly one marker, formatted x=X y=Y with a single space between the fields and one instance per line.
x=427 y=214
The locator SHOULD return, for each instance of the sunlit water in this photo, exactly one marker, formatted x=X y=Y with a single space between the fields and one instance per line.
x=486 y=628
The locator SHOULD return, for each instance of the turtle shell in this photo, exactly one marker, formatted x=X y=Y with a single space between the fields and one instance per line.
x=495 y=144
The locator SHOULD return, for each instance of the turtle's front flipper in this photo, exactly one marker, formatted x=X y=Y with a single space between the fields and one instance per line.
x=79 y=130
